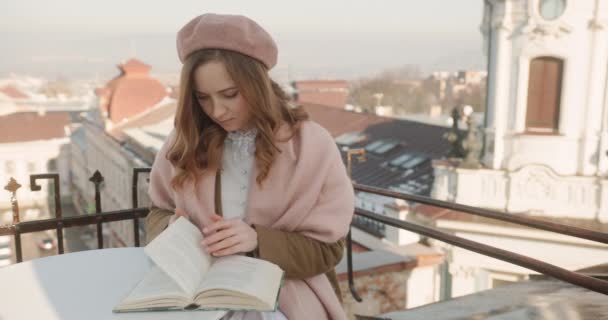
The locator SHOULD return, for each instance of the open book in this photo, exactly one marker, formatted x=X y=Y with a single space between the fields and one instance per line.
x=185 y=277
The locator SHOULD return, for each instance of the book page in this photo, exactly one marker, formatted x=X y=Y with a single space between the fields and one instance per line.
x=178 y=253
x=250 y=276
x=156 y=287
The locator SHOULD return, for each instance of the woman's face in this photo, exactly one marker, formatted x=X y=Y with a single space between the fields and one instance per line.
x=219 y=97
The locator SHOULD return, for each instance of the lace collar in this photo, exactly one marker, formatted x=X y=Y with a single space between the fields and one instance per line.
x=243 y=143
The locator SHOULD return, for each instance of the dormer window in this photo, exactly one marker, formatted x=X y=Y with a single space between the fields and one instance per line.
x=408 y=160
x=350 y=138
x=381 y=147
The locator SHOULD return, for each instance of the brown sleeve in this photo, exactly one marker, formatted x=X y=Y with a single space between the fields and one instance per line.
x=156 y=221
x=299 y=256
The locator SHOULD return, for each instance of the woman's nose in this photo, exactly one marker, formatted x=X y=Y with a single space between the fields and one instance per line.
x=219 y=110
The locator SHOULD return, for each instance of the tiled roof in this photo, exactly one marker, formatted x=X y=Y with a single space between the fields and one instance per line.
x=133 y=66
x=332 y=93
x=417 y=140
x=30 y=126
x=151 y=116
x=340 y=121
x=132 y=92
x=307 y=84
x=334 y=99
x=372 y=255
x=13 y=92
x=525 y=300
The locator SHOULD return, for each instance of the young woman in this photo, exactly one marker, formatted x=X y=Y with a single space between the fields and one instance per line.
x=251 y=171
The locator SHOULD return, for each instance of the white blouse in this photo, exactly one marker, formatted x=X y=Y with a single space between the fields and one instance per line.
x=237 y=164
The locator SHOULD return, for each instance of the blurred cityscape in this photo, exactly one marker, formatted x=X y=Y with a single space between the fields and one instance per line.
x=526 y=135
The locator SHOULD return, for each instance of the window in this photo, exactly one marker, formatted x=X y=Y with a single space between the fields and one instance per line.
x=372 y=146
x=52 y=165
x=501 y=279
x=400 y=159
x=385 y=147
x=350 y=138
x=544 y=94
x=551 y=9
x=380 y=146
x=413 y=162
x=9 y=167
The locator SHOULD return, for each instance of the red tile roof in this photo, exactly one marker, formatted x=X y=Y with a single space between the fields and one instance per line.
x=133 y=66
x=130 y=93
x=150 y=117
x=329 y=93
x=316 y=84
x=339 y=121
x=13 y=92
x=333 y=99
x=30 y=126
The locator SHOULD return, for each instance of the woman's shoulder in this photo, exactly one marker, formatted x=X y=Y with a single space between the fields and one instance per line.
x=169 y=140
x=314 y=138
x=310 y=130
x=161 y=154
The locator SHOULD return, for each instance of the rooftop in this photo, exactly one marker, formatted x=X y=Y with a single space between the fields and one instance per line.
x=12 y=92
x=131 y=92
x=528 y=300
x=436 y=213
x=32 y=126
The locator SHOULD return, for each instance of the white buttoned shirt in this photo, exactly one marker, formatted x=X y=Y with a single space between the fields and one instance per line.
x=237 y=164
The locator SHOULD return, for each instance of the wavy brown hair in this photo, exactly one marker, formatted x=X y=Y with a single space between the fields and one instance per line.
x=199 y=141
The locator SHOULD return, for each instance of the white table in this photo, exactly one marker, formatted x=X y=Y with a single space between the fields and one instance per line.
x=83 y=285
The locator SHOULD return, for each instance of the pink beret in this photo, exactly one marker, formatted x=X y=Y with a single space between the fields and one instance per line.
x=231 y=32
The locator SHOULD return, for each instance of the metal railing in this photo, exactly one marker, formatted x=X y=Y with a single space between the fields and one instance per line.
x=548 y=269
x=59 y=223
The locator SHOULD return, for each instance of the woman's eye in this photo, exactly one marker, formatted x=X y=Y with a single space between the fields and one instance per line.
x=231 y=95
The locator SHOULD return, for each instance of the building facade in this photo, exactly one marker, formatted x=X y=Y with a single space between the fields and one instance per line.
x=545 y=141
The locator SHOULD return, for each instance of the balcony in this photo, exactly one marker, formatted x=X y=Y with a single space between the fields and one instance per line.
x=555 y=293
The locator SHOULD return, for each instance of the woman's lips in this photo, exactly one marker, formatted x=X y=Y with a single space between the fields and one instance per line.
x=225 y=122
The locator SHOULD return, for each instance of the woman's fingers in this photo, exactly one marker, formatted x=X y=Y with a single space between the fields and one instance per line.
x=222 y=224
x=228 y=251
x=224 y=244
x=218 y=236
x=226 y=237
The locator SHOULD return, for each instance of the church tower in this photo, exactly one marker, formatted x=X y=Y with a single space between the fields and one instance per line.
x=545 y=127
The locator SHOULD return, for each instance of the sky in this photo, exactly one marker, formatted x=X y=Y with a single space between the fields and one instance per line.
x=320 y=39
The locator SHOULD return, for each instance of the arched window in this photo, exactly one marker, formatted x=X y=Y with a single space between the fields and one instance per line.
x=544 y=93
x=551 y=9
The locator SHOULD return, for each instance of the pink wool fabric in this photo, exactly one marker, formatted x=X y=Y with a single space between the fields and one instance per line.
x=306 y=191
x=230 y=32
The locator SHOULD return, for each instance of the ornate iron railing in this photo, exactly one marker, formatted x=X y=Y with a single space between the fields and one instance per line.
x=59 y=223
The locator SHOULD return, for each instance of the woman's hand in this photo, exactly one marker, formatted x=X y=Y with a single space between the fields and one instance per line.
x=178 y=213
x=230 y=236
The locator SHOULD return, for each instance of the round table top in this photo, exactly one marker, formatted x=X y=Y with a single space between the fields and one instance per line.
x=80 y=285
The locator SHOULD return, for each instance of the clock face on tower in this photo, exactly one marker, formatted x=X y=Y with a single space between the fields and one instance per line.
x=551 y=9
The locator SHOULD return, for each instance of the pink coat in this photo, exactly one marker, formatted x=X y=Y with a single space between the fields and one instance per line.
x=307 y=191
